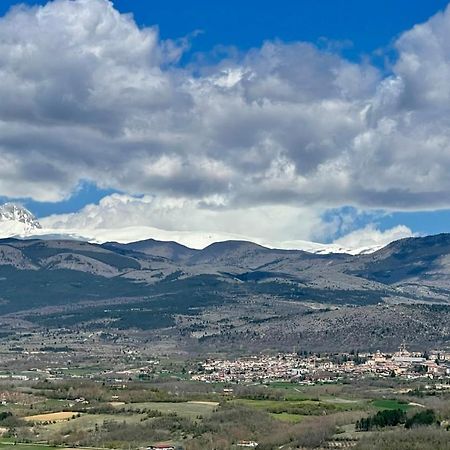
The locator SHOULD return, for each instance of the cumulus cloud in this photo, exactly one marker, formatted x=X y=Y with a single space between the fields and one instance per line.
x=88 y=95
x=125 y=218
x=259 y=144
x=188 y=221
x=371 y=236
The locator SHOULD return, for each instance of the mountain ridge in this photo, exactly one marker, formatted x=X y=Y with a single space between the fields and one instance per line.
x=232 y=293
x=23 y=224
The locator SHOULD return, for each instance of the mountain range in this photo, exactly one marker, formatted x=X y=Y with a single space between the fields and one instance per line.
x=229 y=289
x=18 y=222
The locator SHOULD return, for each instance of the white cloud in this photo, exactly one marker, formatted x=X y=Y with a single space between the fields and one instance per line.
x=371 y=236
x=189 y=221
x=260 y=143
x=126 y=219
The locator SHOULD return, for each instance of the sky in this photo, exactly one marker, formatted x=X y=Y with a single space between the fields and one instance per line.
x=322 y=120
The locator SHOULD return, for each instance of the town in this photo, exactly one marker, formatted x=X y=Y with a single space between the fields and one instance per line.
x=312 y=368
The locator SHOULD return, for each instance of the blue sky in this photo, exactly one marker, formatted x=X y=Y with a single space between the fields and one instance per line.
x=366 y=33
x=367 y=25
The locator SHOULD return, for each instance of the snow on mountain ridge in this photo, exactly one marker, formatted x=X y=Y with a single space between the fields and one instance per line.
x=17 y=221
x=13 y=211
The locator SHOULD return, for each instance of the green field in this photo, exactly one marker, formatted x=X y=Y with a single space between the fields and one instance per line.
x=286 y=385
x=390 y=404
x=11 y=446
x=184 y=409
x=88 y=421
x=286 y=417
x=299 y=407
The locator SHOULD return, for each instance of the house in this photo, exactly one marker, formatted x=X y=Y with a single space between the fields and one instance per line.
x=248 y=444
x=162 y=446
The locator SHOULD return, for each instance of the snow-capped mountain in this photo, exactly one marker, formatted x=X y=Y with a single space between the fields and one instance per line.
x=15 y=220
x=326 y=249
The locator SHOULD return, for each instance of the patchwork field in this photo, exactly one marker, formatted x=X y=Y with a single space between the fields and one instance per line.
x=52 y=417
x=89 y=422
x=137 y=412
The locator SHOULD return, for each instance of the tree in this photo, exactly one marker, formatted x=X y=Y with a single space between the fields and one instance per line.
x=427 y=417
x=386 y=418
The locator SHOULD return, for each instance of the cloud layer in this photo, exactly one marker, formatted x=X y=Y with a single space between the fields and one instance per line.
x=125 y=219
x=187 y=221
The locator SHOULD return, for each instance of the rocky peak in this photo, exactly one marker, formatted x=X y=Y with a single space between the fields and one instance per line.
x=14 y=214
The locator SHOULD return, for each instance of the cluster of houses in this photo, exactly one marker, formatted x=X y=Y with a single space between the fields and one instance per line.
x=170 y=446
x=307 y=369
